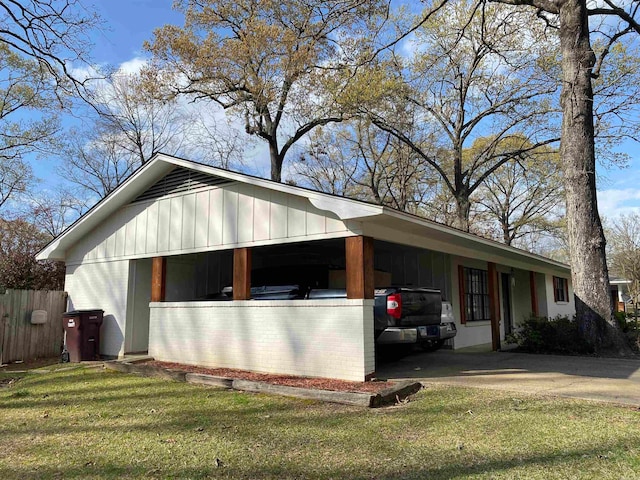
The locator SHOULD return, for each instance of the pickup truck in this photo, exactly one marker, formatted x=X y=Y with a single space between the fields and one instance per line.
x=406 y=315
x=402 y=315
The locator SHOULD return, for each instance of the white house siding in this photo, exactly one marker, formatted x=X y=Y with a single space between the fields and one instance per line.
x=312 y=338
x=211 y=218
x=102 y=286
x=559 y=308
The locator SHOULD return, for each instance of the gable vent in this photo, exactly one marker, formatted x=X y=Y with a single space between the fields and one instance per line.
x=180 y=180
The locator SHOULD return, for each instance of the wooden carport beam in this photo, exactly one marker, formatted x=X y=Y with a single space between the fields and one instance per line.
x=158 y=278
x=494 y=306
x=242 y=274
x=534 y=293
x=359 y=266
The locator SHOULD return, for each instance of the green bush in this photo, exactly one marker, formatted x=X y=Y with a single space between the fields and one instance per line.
x=551 y=335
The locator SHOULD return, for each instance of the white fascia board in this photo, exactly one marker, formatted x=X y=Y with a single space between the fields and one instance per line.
x=143 y=178
x=474 y=240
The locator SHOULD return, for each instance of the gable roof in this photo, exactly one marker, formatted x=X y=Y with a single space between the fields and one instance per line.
x=165 y=174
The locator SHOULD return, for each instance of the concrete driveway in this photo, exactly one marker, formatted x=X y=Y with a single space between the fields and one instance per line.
x=602 y=379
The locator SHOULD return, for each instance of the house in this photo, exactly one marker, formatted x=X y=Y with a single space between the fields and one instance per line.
x=154 y=252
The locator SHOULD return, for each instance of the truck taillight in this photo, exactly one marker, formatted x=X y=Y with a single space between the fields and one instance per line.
x=394 y=306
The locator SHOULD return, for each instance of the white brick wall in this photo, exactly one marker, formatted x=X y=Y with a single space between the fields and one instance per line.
x=330 y=338
x=102 y=286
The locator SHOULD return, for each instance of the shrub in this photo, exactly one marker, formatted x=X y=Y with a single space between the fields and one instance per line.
x=551 y=335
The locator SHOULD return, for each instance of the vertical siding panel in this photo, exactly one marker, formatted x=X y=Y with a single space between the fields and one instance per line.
x=120 y=239
x=201 y=219
x=315 y=220
x=333 y=224
x=141 y=232
x=278 y=215
x=110 y=250
x=100 y=235
x=164 y=224
x=188 y=220
x=230 y=216
x=175 y=224
x=245 y=214
x=216 y=206
x=130 y=237
x=261 y=216
x=296 y=217
x=152 y=228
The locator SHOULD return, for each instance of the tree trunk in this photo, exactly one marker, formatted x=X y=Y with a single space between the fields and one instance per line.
x=463 y=209
x=594 y=309
x=276 y=162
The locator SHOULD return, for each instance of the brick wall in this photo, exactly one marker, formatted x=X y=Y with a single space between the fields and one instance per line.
x=328 y=338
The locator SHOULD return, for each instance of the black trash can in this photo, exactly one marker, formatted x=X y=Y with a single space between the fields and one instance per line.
x=82 y=328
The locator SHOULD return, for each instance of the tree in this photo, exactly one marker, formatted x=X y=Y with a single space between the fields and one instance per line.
x=126 y=127
x=623 y=236
x=39 y=42
x=524 y=196
x=358 y=160
x=51 y=36
x=579 y=65
x=28 y=120
x=466 y=78
x=276 y=64
x=20 y=241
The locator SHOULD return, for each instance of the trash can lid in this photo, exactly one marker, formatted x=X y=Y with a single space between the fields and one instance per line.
x=78 y=312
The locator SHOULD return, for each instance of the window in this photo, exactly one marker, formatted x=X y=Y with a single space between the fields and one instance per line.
x=474 y=287
x=560 y=289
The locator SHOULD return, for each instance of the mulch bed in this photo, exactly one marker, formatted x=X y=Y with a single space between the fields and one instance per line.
x=290 y=381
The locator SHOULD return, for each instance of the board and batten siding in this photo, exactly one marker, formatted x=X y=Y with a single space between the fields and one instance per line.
x=102 y=286
x=322 y=338
x=210 y=218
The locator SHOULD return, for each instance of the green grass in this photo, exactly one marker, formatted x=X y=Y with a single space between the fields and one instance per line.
x=87 y=423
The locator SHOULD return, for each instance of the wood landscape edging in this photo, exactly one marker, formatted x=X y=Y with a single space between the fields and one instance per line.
x=388 y=396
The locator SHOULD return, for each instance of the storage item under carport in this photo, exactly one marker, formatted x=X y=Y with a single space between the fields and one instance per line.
x=82 y=333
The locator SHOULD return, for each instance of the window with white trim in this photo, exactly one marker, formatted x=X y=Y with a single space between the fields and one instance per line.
x=560 y=289
x=476 y=295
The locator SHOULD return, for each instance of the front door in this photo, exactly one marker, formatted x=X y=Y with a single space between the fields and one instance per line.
x=506 y=303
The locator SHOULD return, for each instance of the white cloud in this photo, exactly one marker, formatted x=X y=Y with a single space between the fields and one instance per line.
x=132 y=66
x=613 y=203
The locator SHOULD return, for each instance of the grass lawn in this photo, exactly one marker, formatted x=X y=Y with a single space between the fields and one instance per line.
x=87 y=423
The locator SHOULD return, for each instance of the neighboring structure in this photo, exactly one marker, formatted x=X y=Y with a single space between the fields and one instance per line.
x=621 y=295
x=155 y=252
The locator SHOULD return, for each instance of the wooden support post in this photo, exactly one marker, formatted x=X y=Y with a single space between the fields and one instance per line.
x=494 y=306
x=242 y=274
x=534 y=293
x=158 y=278
x=359 y=266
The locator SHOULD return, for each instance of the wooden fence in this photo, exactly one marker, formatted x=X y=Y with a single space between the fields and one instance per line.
x=19 y=339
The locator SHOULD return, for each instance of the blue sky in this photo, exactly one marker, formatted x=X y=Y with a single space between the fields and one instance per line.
x=128 y=23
